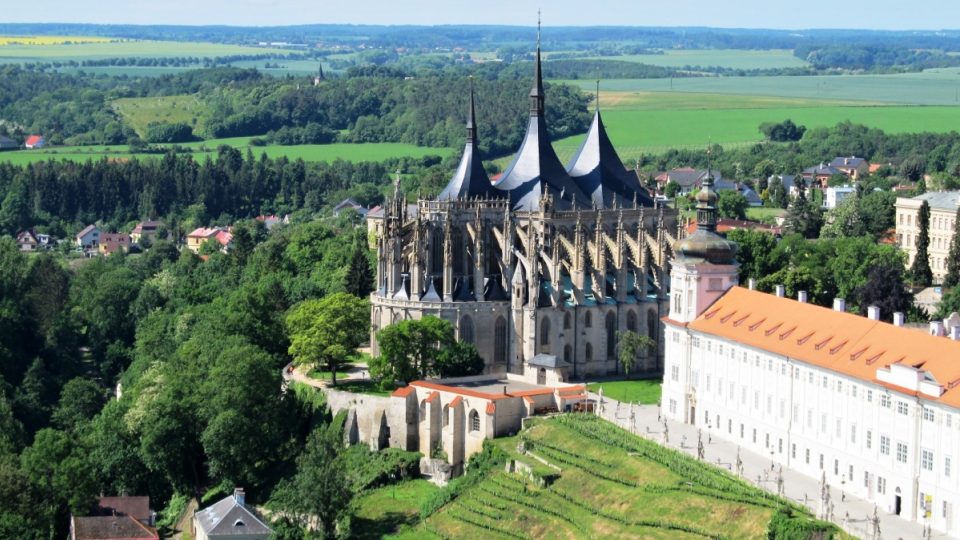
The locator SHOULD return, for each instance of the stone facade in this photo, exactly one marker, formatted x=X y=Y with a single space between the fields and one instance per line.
x=943 y=212
x=546 y=260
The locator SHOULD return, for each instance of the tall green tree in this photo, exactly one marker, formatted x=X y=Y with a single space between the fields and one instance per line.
x=631 y=344
x=803 y=216
x=320 y=493
x=328 y=331
x=952 y=279
x=411 y=349
x=359 y=279
x=80 y=400
x=885 y=289
x=920 y=273
x=732 y=204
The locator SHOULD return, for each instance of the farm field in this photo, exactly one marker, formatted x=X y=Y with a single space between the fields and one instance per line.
x=14 y=53
x=725 y=58
x=611 y=485
x=140 y=112
x=931 y=87
x=51 y=40
x=309 y=152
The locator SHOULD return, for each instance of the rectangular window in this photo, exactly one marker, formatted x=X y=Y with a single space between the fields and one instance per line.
x=793 y=451
x=783 y=408
x=743 y=395
x=836 y=467
x=839 y=428
x=850 y=474
x=673 y=406
x=769 y=364
x=730 y=426
x=756 y=400
x=839 y=386
x=853 y=433
x=675 y=373
x=853 y=391
x=823 y=422
x=881 y=485
x=779 y=446
x=766 y=441
x=824 y=381
x=946 y=465
x=926 y=459
x=708 y=383
x=796 y=413
x=885 y=445
x=869 y=439
x=741 y=431
x=769 y=404
x=901 y=452
x=928 y=414
x=810 y=377
x=807 y=456
x=821 y=462
x=796 y=373
x=884 y=401
x=754 y=438
x=810 y=418
x=866 y=479
x=783 y=370
x=869 y=396
x=903 y=408
x=948 y=420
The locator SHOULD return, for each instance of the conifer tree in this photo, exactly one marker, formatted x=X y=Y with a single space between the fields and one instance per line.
x=952 y=279
x=920 y=273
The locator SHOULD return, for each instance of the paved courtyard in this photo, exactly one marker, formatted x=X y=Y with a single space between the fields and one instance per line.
x=855 y=515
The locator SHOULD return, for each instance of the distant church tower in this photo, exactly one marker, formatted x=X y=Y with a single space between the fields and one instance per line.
x=705 y=265
x=319 y=76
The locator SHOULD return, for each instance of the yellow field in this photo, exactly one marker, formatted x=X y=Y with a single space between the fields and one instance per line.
x=51 y=40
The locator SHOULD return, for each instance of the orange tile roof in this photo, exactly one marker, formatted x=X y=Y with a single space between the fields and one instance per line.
x=842 y=342
x=456 y=402
x=402 y=392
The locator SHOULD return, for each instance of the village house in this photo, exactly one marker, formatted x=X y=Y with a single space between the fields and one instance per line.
x=111 y=243
x=88 y=238
x=688 y=178
x=852 y=166
x=27 y=241
x=349 y=204
x=116 y=518
x=202 y=235
x=35 y=141
x=818 y=175
x=272 y=221
x=229 y=518
x=833 y=196
x=145 y=229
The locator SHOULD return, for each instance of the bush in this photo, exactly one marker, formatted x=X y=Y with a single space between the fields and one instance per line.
x=785 y=525
x=368 y=470
x=169 y=133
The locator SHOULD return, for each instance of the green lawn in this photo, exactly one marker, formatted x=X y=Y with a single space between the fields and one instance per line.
x=766 y=215
x=362 y=387
x=611 y=485
x=140 y=112
x=645 y=391
x=324 y=375
x=382 y=512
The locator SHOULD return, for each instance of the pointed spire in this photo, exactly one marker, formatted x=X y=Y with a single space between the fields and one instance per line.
x=536 y=93
x=598 y=95
x=471 y=122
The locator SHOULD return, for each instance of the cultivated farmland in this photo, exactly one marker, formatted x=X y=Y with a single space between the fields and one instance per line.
x=610 y=484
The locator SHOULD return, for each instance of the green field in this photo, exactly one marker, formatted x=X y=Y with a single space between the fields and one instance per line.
x=640 y=391
x=611 y=484
x=308 y=152
x=725 y=58
x=384 y=511
x=931 y=87
x=125 y=49
x=140 y=112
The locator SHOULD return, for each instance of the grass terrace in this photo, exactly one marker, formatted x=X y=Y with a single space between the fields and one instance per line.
x=645 y=392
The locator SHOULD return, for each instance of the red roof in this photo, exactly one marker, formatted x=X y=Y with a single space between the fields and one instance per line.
x=402 y=392
x=33 y=140
x=456 y=401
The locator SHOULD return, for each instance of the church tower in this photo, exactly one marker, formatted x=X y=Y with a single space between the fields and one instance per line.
x=705 y=265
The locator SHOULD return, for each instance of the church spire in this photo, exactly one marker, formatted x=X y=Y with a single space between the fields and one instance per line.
x=707 y=202
x=536 y=93
x=471 y=122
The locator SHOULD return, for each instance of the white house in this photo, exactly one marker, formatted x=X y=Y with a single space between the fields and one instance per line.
x=88 y=238
x=871 y=406
x=229 y=518
x=833 y=196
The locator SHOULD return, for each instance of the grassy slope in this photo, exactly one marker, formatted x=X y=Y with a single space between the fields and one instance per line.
x=603 y=491
x=140 y=112
x=384 y=511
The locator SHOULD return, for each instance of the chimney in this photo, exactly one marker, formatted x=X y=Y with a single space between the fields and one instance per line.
x=239 y=496
x=802 y=297
x=873 y=313
x=752 y=284
x=955 y=333
x=781 y=291
x=936 y=329
x=839 y=304
x=898 y=318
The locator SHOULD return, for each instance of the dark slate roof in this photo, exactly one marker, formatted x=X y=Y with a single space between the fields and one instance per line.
x=600 y=173
x=822 y=170
x=136 y=507
x=471 y=179
x=230 y=518
x=546 y=361
x=944 y=200
x=110 y=528
x=7 y=142
x=686 y=177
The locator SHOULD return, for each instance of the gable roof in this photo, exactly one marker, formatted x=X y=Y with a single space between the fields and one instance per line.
x=86 y=230
x=838 y=341
x=135 y=507
x=27 y=237
x=204 y=232
x=111 y=528
x=851 y=162
x=33 y=139
x=228 y=517
x=821 y=170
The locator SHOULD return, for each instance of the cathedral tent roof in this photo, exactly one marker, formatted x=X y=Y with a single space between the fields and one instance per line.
x=471 y=179
x=536 y=170
x=600 y=173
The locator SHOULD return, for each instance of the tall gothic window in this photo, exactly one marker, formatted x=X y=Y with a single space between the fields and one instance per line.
x=611 y=325
x=631 y=321
x=436 y=252
x=588 y=319
x=589 y=352
x=545 y=333
x=500 y=341
x=566 y=321
x=466 y=329
x=567 y=354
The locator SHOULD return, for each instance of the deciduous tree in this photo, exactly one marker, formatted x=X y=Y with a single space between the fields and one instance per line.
x=328 y=330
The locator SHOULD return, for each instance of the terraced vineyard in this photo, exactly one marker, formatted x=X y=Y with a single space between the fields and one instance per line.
x=610 y=484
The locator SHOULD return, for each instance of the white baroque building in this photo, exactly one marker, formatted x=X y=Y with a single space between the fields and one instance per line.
x=871 y=406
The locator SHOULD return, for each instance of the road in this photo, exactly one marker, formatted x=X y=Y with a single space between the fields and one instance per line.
x=855 y=515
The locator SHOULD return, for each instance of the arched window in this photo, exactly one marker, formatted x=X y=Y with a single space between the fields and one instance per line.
x=588 y=320
x=545 y=333
x=652 y=324
x=436 y=252
x=631 y=321
x=474 y=421
x=566 y=321
x=567 y=354
x=466 y=329
x=589 y=352
x=446 y=415
x=500 y=341
x=611 y=326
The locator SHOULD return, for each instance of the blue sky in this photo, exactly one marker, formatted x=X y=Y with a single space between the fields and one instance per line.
x=872 y=14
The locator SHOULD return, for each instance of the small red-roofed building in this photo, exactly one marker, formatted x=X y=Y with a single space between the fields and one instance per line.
x=34 y=141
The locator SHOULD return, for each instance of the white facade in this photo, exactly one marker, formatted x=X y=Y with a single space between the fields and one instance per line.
x=883 y=439
x=833 y=196
x=943 y=211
